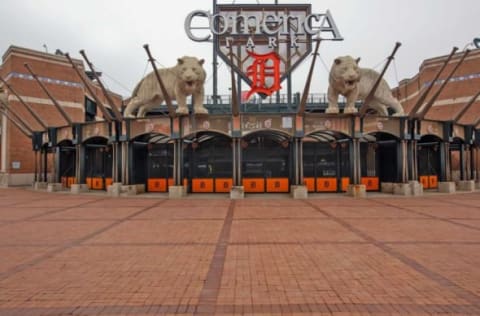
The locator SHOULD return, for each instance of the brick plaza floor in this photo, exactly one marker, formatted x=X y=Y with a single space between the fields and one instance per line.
x=63 y=254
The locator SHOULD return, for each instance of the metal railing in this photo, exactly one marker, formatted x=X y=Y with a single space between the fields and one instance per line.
x=316 y=102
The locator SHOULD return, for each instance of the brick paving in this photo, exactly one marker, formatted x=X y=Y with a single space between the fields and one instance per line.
x=89 y=254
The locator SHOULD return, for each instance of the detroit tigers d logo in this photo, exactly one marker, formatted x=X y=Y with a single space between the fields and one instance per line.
x=263 y=67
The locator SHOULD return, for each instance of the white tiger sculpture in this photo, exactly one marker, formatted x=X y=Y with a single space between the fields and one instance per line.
x=186 y=78
x=354 y=83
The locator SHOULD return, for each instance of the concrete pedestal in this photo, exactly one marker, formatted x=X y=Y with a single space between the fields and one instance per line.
x=446 y=187
x=402 y=189
x=299 y=191
x=115 y=189
x=40 y=185
x=466 y=185
x=357 y=190
x=54 y=187
x=132 y=189
x=386 y=187
x=416 y=188
x=78 y=188
x=477 y=185
x=177 y=192
x=237 y=193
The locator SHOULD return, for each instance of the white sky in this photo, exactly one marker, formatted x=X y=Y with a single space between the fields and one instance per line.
x=112 y=33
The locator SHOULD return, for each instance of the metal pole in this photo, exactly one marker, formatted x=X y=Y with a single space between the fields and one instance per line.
x=466 y=107
x=422 y=98
x=35 y=177
x=55 y=103
x=31 y=111
x=215 y=61
x=116 y=112
x=235 y=109
x=168 y=100
x=81 y=75
x=306 y=89
x=370 y=95
x=427 y=107
x=17 y=124
x=19 y=119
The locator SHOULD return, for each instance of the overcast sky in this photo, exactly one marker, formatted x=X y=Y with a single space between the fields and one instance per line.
x=112 y=33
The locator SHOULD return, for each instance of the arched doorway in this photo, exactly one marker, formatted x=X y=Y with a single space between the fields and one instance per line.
x=266 y=162
x=66 y=162
x=208 y=162
x=152 y=162
x=379 y=157
x=457 y=159
x=429 y=161
x=326 y=162
x=98 y=163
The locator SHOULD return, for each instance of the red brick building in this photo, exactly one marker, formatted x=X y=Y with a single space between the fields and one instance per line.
x=464 y=84
x=59 y=77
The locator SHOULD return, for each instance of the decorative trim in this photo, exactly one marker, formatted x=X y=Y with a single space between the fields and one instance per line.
x=46 y=101
x=19 y=75
x=454 y=79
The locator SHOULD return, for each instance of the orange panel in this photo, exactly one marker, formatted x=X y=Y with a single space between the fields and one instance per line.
x=345 y=183
x=277 y=185
x=253 y=185
x=70 y=181
x=97 y=183
x=223 y=185
x=64 y=182
x=326 y=184
x=89 y=182
x=108 y=181
x=170 y=182
x=202 y=185
x=310 y=183
x=432 y=182
x=371 y=183
x=157 y=185
x=424 y=181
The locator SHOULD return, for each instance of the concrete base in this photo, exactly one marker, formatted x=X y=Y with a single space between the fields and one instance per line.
x=357 y=190
x=466 y=185
x=477 y=185
x=402 y=189
x=54 y=187
x=115 y=189
x=237 y=193
x=78 y=188
x=416 y=188
x=386 y=187
x=177 y=192
x=16 y=179
x=40 y=185
x=446 y=187
x=132 y=189
x=299 y=191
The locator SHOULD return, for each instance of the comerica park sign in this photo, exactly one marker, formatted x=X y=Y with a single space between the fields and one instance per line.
x=252 y=23
x=263 y=43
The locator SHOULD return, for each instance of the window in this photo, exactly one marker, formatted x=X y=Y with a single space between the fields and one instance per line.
x=90 y=110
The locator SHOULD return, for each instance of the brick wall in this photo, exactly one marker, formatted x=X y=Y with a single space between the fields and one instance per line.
x=64 y=85
x=464 y=84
